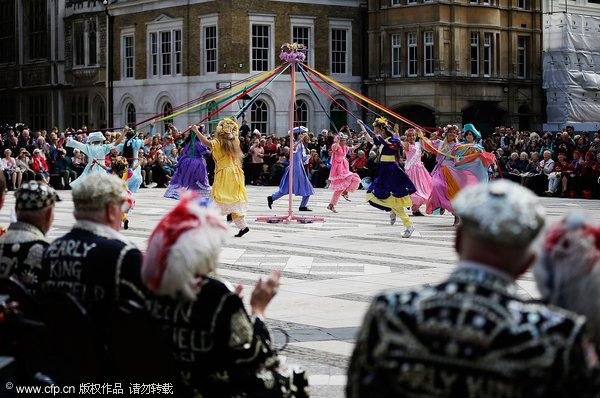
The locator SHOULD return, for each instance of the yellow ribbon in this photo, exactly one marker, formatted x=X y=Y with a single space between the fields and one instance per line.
x=245 y=85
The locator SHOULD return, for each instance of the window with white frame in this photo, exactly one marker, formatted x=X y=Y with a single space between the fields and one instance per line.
x=411 y=1
x=486 y=2
x=522 y=57
x=413 y=62
x=340 y=46
x=474 y=54
x=166 y=110
x=487 y=54
x=339 y=50
x=210 y=48
x=396 y=2
x=259 y=115
x=522 y=4
x=428 y=53
x=128 y=57
x=301 y=115
x=261 y=47
x=165 y=49
x=396 y=55
x=301 y=35
x=85 y=44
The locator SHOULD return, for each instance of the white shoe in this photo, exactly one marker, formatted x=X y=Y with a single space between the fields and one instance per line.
x=152 y=185
x=408 y=231
x=392 y=218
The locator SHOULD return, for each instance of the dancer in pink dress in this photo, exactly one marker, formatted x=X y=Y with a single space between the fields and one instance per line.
x=341 y=180
x=416 y=171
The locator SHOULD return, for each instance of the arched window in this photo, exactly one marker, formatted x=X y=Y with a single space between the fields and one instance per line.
x=339 y=116
x=259 y=114
x=167 y=109
x=301 y=116
x=131 y=118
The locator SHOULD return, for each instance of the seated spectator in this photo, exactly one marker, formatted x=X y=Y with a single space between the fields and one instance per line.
x=78 y=161
x=568 y=272
x=590 y=176
x=24 y=163
x=12 y=171
x=564 y=144
x=559 y=177
x=172 y=157
x=314 y=166
x=265 y=176
x=235 y=356
x=372 y=165
x=157 y=165
x=278 y=169
x=511 y=165
x=23 y=244
x=94 y=262
x=63 y=166
x=40 y=167
x=359 y=165
x=523 y=162
x=473 y=335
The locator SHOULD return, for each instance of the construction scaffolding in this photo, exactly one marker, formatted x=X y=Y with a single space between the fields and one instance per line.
x=571 y=69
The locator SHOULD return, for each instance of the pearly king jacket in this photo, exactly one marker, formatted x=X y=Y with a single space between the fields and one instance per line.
x=21 y=250
x=470 y=336
x=97 y=265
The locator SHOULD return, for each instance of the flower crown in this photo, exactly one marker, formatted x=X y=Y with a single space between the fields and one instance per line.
x=227 y=127
x=381 y=121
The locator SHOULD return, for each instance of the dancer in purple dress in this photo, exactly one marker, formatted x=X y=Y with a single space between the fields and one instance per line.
x=190 y=173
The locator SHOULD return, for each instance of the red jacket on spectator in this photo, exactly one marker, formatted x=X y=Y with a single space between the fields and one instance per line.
x=39 y=164
x=359 y=163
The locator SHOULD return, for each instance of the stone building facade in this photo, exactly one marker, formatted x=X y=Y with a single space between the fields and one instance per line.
x=171 y=51
x=32 y=62
x=466 y=61
x=85 y=25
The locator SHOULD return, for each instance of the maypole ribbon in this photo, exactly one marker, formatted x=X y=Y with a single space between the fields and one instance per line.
x=267 y=73
x=245 y=107
x=318 y=100
x=365 y=99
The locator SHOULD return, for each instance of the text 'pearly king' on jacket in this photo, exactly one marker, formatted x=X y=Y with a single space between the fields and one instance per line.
x=470 y=336
x=96 y=265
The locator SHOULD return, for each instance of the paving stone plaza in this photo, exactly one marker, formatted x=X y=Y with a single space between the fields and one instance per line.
x=330 y=270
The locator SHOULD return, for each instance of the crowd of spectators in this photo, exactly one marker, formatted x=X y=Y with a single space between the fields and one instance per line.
x=563 y=164
x=42 y=156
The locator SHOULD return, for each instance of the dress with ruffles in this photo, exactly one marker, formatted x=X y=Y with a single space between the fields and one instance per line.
x=392 y=187
x=418 y=174
x=340 y=177
x=190 y=173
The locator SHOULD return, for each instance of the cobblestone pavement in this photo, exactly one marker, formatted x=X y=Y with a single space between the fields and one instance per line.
x=330 y=270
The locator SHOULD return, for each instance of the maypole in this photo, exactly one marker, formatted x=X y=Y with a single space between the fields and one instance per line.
x=292 y=54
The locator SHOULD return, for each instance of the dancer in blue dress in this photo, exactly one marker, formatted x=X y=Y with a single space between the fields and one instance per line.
x=392 y=187
x=190 y=173
x=95 y=151
x=130 y=150
x=301 y=185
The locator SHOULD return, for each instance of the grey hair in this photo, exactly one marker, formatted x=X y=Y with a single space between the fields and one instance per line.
x=94 y=193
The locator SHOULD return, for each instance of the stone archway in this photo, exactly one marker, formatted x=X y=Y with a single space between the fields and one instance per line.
x=485 y=116
x=418 y=114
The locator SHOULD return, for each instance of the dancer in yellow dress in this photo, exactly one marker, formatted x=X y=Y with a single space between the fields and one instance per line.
x=228 y=189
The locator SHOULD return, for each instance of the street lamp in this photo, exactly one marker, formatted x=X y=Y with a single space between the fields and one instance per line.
x=242 y=103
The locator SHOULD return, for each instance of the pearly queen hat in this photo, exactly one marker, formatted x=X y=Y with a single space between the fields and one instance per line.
x=35 y=196
x=501 y=212
x=96 y=136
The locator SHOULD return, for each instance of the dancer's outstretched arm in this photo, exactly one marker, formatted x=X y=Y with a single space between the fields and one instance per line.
x=121 y=137
x=201 y=136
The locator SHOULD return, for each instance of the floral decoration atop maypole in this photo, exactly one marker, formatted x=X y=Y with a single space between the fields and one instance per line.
x=293 y=53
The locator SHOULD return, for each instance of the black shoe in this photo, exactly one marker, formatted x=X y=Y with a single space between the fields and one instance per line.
x=126 y=224
x=304 y=209
x=242 y=232
x=270 y=202
x=229 y=218
x=417 y=213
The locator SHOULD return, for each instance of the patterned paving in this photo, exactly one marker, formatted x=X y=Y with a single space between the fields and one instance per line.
x=330 y=270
